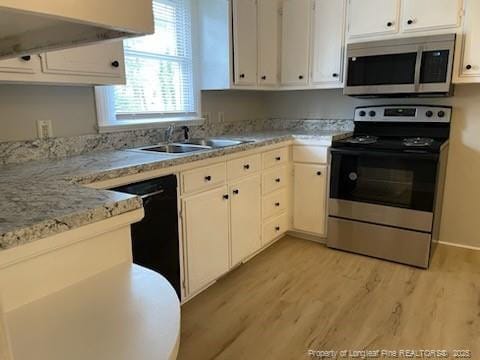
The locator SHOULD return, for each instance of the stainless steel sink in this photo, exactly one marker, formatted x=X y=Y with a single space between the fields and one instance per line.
x=192 y=146
x=215 y=143
x=175 y=148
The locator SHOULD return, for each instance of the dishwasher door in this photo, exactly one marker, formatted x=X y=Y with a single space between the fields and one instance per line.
x=155 y=239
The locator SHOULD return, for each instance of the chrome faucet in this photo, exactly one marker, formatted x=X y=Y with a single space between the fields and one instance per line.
x=169 y=133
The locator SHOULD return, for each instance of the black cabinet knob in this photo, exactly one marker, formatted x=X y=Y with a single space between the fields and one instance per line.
x=300 y=77
x=246 y=166
x=389 y=24
x=372 y=113
x=242 y=76
x=441 y=114
x=278 y=158
x=429 y=113
x=26 y=58
x=277 y=204
x=335 y=75
x=278 y=180
x=236 y=191
x=410 y=22
x=319 y=173
x=115 y=64
x=362 y=113
x=264 y=77
x=226 y=197
x=208 y=178
x=468 y=67
x=277 y=228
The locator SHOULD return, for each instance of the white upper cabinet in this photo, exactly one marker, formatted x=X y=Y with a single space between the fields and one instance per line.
x=93 y=60
x=373 y=17
x=101 y=64
x=268 y=41
x=245 y=41
x=379 y=18
x=467 y=59
x=296 y=18
x=420 y=15
x=328 y=40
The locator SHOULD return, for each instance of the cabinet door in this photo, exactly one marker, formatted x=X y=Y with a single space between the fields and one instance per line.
x=245 y=218
x=373 y=17
x=245 y=41
x=421 y=15
x=205 y=219
x=468 y=56
x=22 y=65
x=268 y=41
x=103 y=60
x=296 y=18
x=328 y=35
x=310 y=197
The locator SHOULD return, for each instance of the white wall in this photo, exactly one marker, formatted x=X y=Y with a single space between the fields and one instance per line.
x=461 y=212
x=72 y=109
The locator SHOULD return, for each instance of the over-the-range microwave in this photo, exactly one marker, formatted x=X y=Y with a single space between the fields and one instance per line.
x=417 y=66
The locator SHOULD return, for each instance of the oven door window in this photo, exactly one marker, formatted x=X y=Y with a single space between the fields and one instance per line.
x=385 y=180
x=393 y=69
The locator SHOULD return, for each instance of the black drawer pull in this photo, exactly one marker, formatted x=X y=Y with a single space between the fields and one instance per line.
x=26 y=58
x=319 y=173
x=246 y=167
x=226 y=197
x=236 y=191
x=242 y=76
x=115 y=64
x=278 y=180
x=264 y=77
x=277 y=228
x=277 y=204
x=208 y=178
x=278 y=158
x=468 y=67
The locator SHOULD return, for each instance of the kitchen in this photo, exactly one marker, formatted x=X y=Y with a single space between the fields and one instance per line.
x=254 y=278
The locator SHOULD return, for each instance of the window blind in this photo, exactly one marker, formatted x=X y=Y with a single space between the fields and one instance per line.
x=159 y=67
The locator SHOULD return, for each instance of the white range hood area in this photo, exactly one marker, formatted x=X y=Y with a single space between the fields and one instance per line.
x=35 y=26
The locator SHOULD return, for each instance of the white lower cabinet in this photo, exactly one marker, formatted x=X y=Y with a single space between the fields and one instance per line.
x=245 y=218
x=206 y=233
x=310 y=198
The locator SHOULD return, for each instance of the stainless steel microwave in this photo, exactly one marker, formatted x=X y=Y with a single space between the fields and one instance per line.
x=418 y=66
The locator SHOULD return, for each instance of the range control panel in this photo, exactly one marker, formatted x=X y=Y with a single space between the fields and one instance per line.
x=404 y=113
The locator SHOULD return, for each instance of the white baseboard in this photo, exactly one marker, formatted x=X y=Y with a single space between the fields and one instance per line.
x=458 y=245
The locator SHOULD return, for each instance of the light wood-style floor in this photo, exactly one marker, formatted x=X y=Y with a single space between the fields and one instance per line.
x=299 y=295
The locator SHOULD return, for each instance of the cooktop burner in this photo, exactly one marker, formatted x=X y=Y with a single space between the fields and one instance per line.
x=363 y=139
x=418 y=142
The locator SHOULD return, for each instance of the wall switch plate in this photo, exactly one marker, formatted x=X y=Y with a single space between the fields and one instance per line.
x=44 y=129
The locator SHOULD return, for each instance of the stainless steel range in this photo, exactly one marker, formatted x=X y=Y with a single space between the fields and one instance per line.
x=386 y=185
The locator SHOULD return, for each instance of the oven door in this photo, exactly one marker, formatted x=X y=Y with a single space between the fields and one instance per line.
x=390 y=188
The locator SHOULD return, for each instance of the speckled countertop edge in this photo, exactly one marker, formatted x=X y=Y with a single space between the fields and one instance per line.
x=42 y=199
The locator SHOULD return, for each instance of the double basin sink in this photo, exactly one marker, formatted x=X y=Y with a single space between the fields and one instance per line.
x=193 y=145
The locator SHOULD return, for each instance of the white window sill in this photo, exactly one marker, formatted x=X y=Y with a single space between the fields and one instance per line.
x=128 y=125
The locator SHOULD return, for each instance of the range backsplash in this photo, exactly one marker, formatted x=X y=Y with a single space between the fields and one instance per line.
x=58 y=148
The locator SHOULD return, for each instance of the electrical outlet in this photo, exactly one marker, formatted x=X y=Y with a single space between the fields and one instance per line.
x=221 y=116
x=44 y=129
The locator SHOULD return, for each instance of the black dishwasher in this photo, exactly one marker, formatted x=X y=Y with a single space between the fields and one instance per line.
x=155 y=241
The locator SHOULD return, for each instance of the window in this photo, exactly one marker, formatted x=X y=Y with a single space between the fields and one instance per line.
x=160 y=74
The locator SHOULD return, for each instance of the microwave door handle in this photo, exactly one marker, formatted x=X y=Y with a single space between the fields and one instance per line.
x=418 y=68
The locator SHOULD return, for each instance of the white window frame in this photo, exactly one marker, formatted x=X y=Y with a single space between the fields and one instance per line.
x=105 y=102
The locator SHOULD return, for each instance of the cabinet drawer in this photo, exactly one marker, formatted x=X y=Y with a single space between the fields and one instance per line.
x=243 y=166
x=274 y=179
x=274 y=203
x=204 y=178
x=274 y=228
x=310 y=154
x=275 y=157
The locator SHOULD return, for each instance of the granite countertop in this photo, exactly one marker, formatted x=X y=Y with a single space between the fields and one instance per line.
x=44 y=198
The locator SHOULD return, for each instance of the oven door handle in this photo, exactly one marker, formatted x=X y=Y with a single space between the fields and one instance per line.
x=406 y=154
